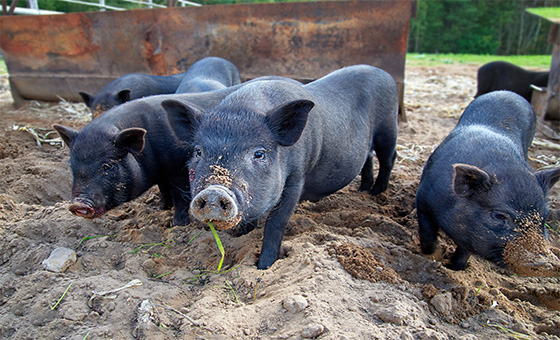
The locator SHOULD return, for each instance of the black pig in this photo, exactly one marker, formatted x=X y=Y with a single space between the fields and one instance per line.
x=130 y=148
x=207 y=74
x=129 y=87
x=478 y=187
x=269 y=145
x=501 y=75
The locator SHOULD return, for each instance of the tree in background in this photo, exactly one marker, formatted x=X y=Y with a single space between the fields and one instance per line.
x=501 y=27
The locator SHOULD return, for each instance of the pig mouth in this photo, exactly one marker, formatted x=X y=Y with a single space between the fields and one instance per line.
x=216 y=204
x=224 y=225
x=84 y=208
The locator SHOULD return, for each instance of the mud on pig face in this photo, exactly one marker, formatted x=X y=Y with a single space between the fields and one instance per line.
x=236 y=171
x=103 y=167
x=503 y=218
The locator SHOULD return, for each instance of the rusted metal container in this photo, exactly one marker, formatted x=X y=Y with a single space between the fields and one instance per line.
x=59 y=55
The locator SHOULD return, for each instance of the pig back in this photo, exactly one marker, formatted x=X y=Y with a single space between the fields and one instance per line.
x=355 y=107
x=360 y=92
x=504 y=112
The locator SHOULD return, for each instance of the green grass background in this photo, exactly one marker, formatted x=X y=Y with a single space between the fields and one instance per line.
x=420 y=59
x=530 y=61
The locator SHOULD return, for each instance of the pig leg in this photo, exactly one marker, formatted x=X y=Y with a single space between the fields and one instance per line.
x=367 y=173
x=165 y=194
x=459 y=259
x=276 y=224
x=181 y=200
x=428 y=232
x=385 y=149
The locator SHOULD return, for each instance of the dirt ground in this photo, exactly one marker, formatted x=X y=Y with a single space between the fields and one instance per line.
x=351 y=265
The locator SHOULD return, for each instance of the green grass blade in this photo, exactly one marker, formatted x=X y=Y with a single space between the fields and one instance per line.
x=219 y=243
x=233 y=291
x=62 y=297
x=96 y=236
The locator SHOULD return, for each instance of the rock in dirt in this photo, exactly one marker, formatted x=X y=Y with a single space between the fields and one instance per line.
x=393 y=314
x=295 y=303
x=443 y=302
x=60 y=260
x=312 y=330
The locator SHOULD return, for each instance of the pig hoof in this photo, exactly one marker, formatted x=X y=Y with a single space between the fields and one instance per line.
x=456 y=266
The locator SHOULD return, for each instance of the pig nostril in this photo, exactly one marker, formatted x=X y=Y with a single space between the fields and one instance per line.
x=224 y=205
x=201 y=204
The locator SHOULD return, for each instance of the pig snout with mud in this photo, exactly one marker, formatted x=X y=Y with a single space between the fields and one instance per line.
x=479 y=188
x=271 y=144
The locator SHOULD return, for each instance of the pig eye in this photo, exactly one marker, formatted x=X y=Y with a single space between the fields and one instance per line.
x=260 y=154
x=108 y=166
x=500 y=216
x=197 y=152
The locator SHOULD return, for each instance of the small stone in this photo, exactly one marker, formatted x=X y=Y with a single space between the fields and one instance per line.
x=443 y=302
x=494 y=292
x=393 y=315
x=429 y=291
x=60 y=260
x=308 y=245
x=295 y=303
x=312 y=330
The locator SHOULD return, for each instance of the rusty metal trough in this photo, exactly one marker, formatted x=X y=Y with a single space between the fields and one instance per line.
x=53 y=56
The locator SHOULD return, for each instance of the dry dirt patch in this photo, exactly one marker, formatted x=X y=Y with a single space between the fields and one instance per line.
x=308 y=293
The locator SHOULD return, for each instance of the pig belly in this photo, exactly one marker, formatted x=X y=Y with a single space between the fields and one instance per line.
x=323 y=182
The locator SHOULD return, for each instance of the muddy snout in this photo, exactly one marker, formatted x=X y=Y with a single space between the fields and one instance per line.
x=216 y=204
x=82 y=207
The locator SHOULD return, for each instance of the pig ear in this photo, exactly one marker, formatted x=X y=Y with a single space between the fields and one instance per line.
x=88 y=98
x=288 y=121
x=66 y=133
x=547 y=178
x=182 y=118
x=123 y=96
x=131 y=139
x=469 y=180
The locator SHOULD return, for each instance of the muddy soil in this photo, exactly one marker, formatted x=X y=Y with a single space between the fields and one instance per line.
x=351 y=266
